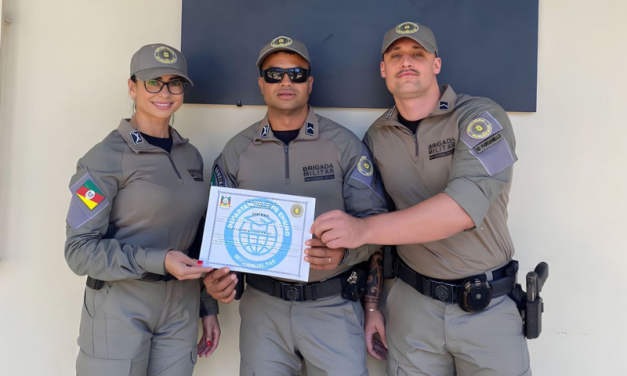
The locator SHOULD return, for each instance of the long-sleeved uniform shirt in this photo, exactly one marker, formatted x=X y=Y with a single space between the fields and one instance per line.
x=325 y=161
x=132 y=202
x=464 y=148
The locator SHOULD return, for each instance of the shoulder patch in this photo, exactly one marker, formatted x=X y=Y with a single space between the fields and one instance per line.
x=483 y=136
x=479 y=128
x=217 y=176
x=365 y=172
x=364 y=166
x=87 y=201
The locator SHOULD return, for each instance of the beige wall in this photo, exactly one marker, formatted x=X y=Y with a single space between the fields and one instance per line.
x=63 y=89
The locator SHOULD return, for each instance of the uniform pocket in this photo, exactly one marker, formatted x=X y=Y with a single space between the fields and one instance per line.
x=194 y=354
x=358 y=311
x=90 y=366
x=94 y=299
x=394 y=369
x=246 y=369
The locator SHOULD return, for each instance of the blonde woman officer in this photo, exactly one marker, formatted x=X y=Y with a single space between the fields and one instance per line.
x=137 y=199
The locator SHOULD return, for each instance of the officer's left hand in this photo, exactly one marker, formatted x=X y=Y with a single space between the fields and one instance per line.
x=340 y=230
x=375 y=323
x=210 y=336
x=320 y=257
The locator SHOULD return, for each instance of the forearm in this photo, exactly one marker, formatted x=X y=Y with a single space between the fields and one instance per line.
x=108 y=260
x=209 y=306
x=434 y=219
x=360 y=254
x=374 y=283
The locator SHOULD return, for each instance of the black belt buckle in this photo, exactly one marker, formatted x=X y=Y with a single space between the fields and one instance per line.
x=445 y=292
x=292 y=293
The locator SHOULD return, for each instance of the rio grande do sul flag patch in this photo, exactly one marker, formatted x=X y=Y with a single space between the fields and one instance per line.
x=88 y=201
x=90 y=194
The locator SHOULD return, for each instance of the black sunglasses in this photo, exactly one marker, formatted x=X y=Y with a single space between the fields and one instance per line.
x=274 y=75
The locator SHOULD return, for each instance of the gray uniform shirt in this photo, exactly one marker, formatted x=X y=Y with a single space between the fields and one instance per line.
x=325 y=161
x=132 y=202
x=464 y=148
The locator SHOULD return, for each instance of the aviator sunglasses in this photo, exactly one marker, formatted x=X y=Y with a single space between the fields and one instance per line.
x=274 y=75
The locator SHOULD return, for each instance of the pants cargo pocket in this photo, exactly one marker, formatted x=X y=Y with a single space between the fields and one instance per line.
x=246 y=369
x=90 y=366
x=194 y=354
x=394 y=369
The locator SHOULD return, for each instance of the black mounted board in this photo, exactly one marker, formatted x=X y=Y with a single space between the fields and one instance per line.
x=488 y=47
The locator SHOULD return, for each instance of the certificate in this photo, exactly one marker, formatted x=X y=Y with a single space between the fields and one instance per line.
x=257 y=232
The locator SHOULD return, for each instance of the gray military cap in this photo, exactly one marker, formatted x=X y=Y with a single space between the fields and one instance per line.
x=420 y=33
x=154 y=60
x=283 y=43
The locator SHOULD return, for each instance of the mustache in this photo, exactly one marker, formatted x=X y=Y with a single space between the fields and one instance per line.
x=407 y=70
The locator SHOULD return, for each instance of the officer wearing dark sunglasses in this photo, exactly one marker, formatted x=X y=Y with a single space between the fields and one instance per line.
x=287 y=326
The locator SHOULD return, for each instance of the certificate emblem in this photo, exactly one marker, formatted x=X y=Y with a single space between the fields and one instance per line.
x=297 y=210
x=225 y=202
x=258 y=234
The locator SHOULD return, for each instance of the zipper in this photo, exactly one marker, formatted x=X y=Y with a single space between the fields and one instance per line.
x=406 y=130
x=416 y=141
x=175 y=169
x=287 y=163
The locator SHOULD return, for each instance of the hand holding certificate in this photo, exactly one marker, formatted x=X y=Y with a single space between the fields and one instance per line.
x=257 y=232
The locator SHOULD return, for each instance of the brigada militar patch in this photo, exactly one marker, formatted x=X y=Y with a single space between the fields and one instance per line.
x=487 y=142
x=87 y=201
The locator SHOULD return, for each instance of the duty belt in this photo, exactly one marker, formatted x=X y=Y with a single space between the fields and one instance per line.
x=502 y=283
x=97 y=284
x=300 y=292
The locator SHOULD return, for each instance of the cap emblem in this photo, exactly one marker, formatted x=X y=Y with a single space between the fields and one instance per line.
x=165 y=55
x=407 y=28
x=281 y=42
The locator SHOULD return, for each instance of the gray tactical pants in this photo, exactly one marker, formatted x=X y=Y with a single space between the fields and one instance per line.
x=139 y=328
x=428 y=337
x=278 y=338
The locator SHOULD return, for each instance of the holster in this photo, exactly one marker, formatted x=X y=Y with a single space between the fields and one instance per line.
x=354 y=287
x=239 y=287
x=531 y=311
x=389 y=262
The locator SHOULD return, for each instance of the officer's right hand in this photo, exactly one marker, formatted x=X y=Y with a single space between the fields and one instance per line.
x=182 y=267
x=220 y=284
